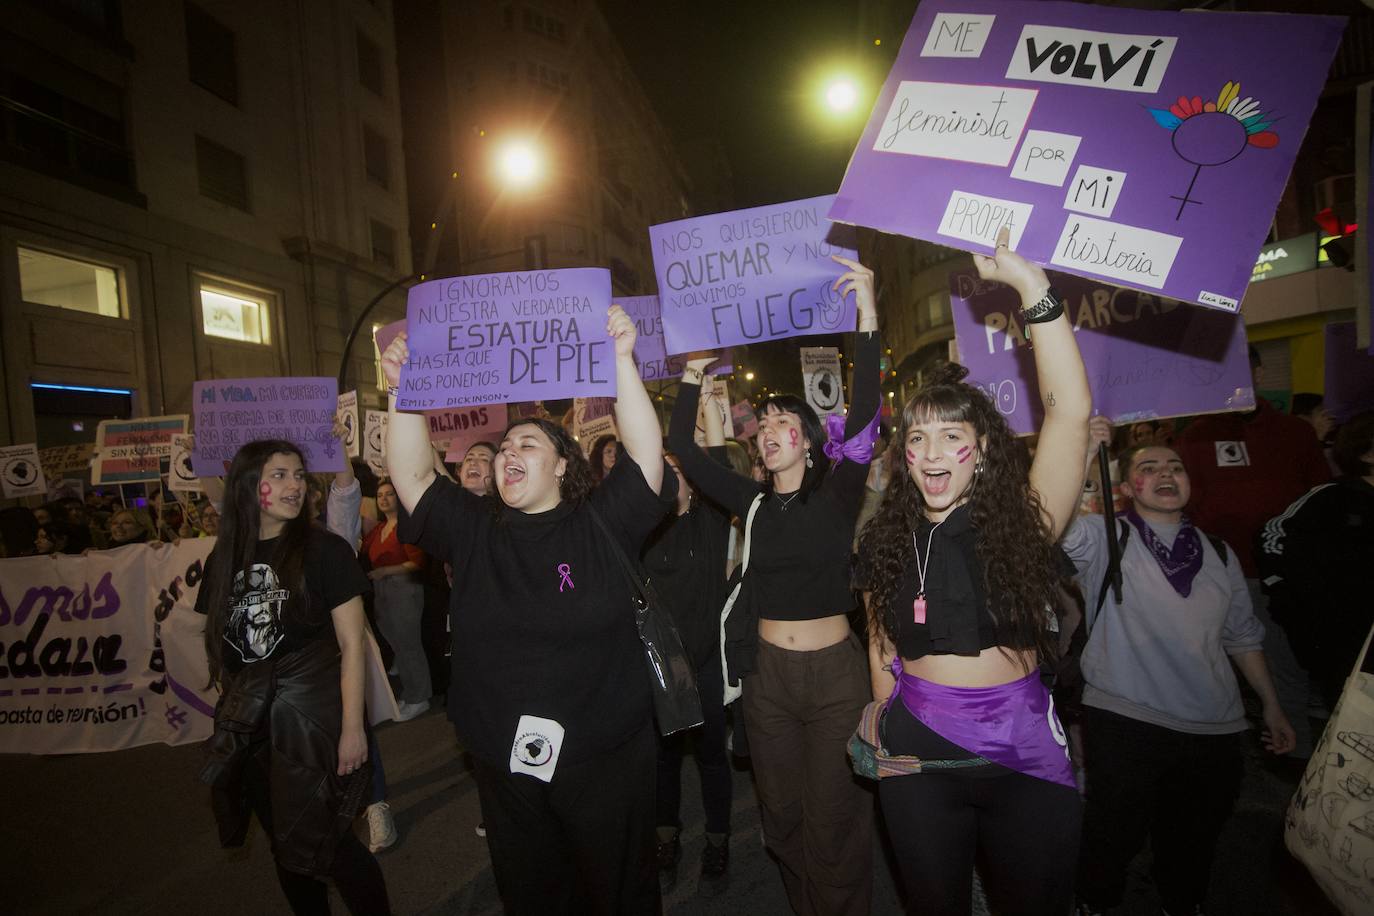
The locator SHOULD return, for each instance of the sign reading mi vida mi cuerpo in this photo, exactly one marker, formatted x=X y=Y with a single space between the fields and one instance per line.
x=1145 y=148
x=496 y=338
x=1146 y=357
x=751 y=275
x=232 y=412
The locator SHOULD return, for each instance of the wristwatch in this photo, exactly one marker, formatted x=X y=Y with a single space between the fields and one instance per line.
x=1049 y=307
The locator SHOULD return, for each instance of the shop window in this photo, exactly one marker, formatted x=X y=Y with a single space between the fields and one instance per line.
x=67 y=283
x=234 y=314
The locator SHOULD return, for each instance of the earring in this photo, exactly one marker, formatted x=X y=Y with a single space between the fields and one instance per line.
x=809 y=462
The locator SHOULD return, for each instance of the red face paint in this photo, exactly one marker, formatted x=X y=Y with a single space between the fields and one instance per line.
x=910 y=456
x=264 y=491
x=792 y=436
x=964 y=454
x=1139 y=483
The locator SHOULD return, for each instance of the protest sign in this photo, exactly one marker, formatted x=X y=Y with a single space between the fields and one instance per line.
x=1146 y=357
x=348 y=417
x=462 y=426
x=1349 y=373
x=374 y=440
x=181 y=474
x=746 y=423
x=527 y=410
x=751 y=275
x=231 y=412
x=593 y=418
x=651 y=354
x=1148 y=148
x=60 y=460
x=104 y=651
x=495 y=338
x=822 y=380
x=131 y=451
x=715 y=395
x=21 y=473
x=66 y=488
x=384 y=335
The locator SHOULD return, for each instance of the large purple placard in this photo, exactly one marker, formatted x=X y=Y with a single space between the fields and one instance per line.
x=1146 y=357
x=232 y=411
x=495 y=338
x=1148 y=149
x=651 y=353
x=751 y=275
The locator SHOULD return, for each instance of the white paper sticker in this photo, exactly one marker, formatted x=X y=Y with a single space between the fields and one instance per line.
x=538 y=742
x=1218 y=300
x=975 y=218
x=957 y=35
x=1094 y=190
x=1121 y=252
x=1045 y=157
x=953 y=121
x=1102 y=60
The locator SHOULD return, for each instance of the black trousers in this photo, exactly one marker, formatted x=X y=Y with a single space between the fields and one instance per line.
x=713 y=762
x=1146 y=780
x=1023 y=831
x=582 y=844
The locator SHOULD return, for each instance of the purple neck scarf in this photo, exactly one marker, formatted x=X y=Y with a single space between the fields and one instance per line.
x=1181 y=562
x=858 y=449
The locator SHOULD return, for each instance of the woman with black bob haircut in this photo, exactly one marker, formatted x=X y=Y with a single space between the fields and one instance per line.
x=282 y=600
x=961 y=568
x=805 y=678
x=549 y=689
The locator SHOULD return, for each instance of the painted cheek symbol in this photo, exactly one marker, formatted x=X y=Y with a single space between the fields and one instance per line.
x=792 y=437
x=1139 y=483
x=911 y=456
x=264 y=491
x=964 y=454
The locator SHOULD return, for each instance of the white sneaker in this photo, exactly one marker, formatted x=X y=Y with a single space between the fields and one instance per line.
x=381 y=827
x=408 y=711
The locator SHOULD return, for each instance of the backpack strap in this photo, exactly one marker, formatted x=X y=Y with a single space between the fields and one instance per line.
x=1220 y=547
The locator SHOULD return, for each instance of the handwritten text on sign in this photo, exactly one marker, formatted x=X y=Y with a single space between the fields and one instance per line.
x=751 y=275
x=650 y=353
x=231 y=412
x=506 y=337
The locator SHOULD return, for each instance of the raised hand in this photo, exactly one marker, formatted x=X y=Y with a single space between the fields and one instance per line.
x=397 y=355
x=859 y=281
x=1006 y=266
x=621 y=328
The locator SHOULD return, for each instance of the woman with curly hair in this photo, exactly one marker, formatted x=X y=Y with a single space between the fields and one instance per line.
x=549 y=690
x=788 y=636
x=961 y=569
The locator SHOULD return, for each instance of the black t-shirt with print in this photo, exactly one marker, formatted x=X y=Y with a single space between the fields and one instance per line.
x=541 y=616
x=263 y=620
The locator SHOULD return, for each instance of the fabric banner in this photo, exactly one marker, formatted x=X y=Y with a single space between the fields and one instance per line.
x=21 y=472
x=822 y=380
x=496 y=338
x=181 y=474
x=751 y=275
x=1349 y=373
x=374 y=440
x=131 y=451
x=651 y=353
x=231 y=412
x=104 y=651
x=348 y=418
x=1146 y=357
x=1142 y=147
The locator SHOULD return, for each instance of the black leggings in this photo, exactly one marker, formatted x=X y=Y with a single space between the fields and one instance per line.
x=1022 y=830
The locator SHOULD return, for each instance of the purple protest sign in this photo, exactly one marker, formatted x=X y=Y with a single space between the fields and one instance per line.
x=1349 y=373
x=387 y=333
x=1146 y=148
x=751 y=275
x=230 y=412
x=1146 y=357
x=495 y=338
x=650 y=351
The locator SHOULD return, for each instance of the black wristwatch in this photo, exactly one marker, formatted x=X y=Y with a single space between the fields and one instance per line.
x=1050 y=307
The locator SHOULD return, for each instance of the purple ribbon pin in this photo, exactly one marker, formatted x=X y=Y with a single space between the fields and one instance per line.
x=565 y=571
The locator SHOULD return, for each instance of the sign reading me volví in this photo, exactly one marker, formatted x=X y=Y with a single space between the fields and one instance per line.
x=751 y=275
x=822 y=380
x=232 y=412
x=1144 y=148
x=21 y=473
x=132 y=451
x=496 y=338
x=651 y=354
x=1147 y=357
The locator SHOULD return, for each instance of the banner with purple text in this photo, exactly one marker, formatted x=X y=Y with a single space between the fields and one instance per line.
x=230 y=412
x=1145 y=148
x=460 y=427
x=496 y=338
x=1146 y=357
x=751 y=275
x=651 y=354
x=103 y=652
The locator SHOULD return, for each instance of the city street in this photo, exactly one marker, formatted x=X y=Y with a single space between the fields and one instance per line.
x=130 y=832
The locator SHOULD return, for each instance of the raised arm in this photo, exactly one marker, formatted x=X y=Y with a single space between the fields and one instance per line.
x=865 y=398
x=409 y=461
x=635 y=419
x=1056 y=474
x=719 y=483
x=711 y=422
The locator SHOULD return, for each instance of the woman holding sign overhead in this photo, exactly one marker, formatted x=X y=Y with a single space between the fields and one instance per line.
x=961 y=569
x=788 y=634
x=550 y=691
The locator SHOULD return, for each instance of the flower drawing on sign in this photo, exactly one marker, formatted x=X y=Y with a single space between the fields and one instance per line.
x=1211 y=133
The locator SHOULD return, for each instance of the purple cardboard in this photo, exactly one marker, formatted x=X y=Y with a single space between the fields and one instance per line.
x=496 y=338
x=232 y=411
x=1145 y=148
x=1146 y=357
x=651 y=354
x=751 y=275
x=1349 y=373
x=387 y=333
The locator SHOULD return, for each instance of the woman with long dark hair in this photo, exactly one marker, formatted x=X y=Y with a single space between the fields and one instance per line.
x=284 y=639
x=805 y=679
x=961 y=567
x=549 y=689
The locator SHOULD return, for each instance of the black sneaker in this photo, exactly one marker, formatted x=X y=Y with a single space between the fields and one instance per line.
x=669 y=854
x=715 y=863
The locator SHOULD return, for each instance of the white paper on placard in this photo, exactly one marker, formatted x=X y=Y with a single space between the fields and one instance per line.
x=21 y=473
x=348 y=414
x=954 y=121
x=1094 y=190
x=374 y=441
x=1045 y=157
x=180 y=477
x=822 y=380
x=1101 y=60
x=957 y=35
x=1128 y=253
x=976 y=218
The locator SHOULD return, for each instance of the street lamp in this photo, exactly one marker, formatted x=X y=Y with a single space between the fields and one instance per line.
x=518 y=163
x=841 y=95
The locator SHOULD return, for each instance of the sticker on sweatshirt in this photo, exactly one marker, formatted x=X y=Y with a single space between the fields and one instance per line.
x=1232 y=455
x=538 y=742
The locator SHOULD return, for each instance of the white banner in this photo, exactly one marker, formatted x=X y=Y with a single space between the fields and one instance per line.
x=821 y=380
x=21 y=474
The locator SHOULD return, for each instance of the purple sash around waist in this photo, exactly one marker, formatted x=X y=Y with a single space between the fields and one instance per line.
x=1012 y=724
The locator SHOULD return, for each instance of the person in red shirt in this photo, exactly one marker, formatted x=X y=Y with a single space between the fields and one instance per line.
x=400 y=598
x=1247 y=468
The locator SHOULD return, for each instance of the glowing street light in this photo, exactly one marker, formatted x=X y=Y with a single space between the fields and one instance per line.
x=518 y=163
x=748 y=376
x=841 y=95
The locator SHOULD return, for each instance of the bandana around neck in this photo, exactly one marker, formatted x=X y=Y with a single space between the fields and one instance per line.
x=1179 y=563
